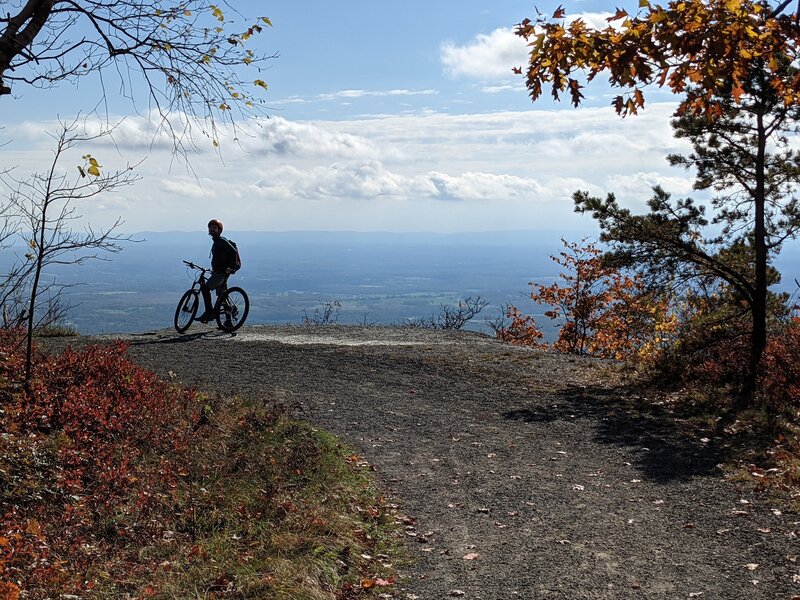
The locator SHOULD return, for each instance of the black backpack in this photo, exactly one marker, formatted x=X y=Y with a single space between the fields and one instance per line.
x=238 y=260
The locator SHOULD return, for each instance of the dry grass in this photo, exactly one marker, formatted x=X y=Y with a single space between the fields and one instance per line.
x=248 y=503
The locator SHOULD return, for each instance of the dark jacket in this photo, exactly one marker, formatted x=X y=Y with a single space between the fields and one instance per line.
x=223 y=255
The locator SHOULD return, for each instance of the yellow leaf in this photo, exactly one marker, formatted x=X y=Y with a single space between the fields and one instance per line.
x=267 y=21
x=187 y=13
x=260 y=83
x=93 y=162
x=93 y=170
x=644 y=3
x=32 y=243
x=215 y=143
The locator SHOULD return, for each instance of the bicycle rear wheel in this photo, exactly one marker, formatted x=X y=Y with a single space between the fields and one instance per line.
x=186 y=311
x=232 y=309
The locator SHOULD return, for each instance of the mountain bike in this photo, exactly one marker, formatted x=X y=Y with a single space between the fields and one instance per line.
x=230 y=310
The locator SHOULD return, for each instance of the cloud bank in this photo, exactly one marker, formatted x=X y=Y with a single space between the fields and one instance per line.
x=502 y=170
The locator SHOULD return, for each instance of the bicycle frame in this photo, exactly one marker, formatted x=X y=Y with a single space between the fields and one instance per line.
x=202 y=279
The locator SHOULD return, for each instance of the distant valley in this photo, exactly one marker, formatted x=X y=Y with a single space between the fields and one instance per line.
x=380 y=278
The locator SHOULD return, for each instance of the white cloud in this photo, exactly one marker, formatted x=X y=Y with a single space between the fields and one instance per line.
x=497 y=89
x=478 y=186
x=288 y=138
x=641 y=184
x=187 y=188
x=375 y=93
x=487 y=57
x=491 y=57
x=371 y=180
x=354 y=94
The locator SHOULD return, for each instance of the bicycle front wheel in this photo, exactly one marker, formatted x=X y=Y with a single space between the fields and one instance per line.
x=232 y=309
x=186 y=311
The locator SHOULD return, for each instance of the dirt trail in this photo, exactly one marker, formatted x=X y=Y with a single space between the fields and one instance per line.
x=524 y=477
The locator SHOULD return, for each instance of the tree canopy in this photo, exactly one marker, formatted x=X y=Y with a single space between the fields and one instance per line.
x=186 y=57
x=694 y=48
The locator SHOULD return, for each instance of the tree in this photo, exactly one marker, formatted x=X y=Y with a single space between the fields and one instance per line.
x=187 y=55
x=730 y=60
x=41 y=210
x=601 y=309
x=452 y=317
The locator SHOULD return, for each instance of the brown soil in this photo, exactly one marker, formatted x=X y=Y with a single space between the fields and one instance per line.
x=525 y=475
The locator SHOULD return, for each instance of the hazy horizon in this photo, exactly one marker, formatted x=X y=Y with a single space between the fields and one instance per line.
x=378 y=277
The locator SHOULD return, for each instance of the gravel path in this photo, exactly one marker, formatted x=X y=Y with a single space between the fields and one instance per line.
x=524 y=477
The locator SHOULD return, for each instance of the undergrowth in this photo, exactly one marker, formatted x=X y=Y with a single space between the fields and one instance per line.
x=116 y=484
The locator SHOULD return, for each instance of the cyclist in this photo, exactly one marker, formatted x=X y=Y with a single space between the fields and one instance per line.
x=223 y=263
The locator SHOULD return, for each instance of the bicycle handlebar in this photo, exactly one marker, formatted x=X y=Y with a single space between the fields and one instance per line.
x=191 y=265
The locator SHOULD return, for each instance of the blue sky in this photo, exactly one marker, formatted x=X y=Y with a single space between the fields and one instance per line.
x=383 y=116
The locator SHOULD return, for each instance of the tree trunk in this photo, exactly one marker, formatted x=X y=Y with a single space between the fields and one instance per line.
x=759 y=308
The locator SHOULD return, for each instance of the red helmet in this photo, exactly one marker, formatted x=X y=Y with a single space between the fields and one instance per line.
x=216 y=222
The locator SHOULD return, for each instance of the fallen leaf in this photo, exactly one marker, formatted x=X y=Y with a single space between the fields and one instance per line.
x=458 y=593
x=751 y=566
x=472 y=556
x=34 y=528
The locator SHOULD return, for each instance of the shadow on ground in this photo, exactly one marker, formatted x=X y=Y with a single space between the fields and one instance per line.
x=670 y=451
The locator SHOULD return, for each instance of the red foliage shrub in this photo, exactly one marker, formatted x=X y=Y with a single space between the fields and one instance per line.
x=726 y=361
x=96 y=431
x=780 y=369
x=522 y=330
